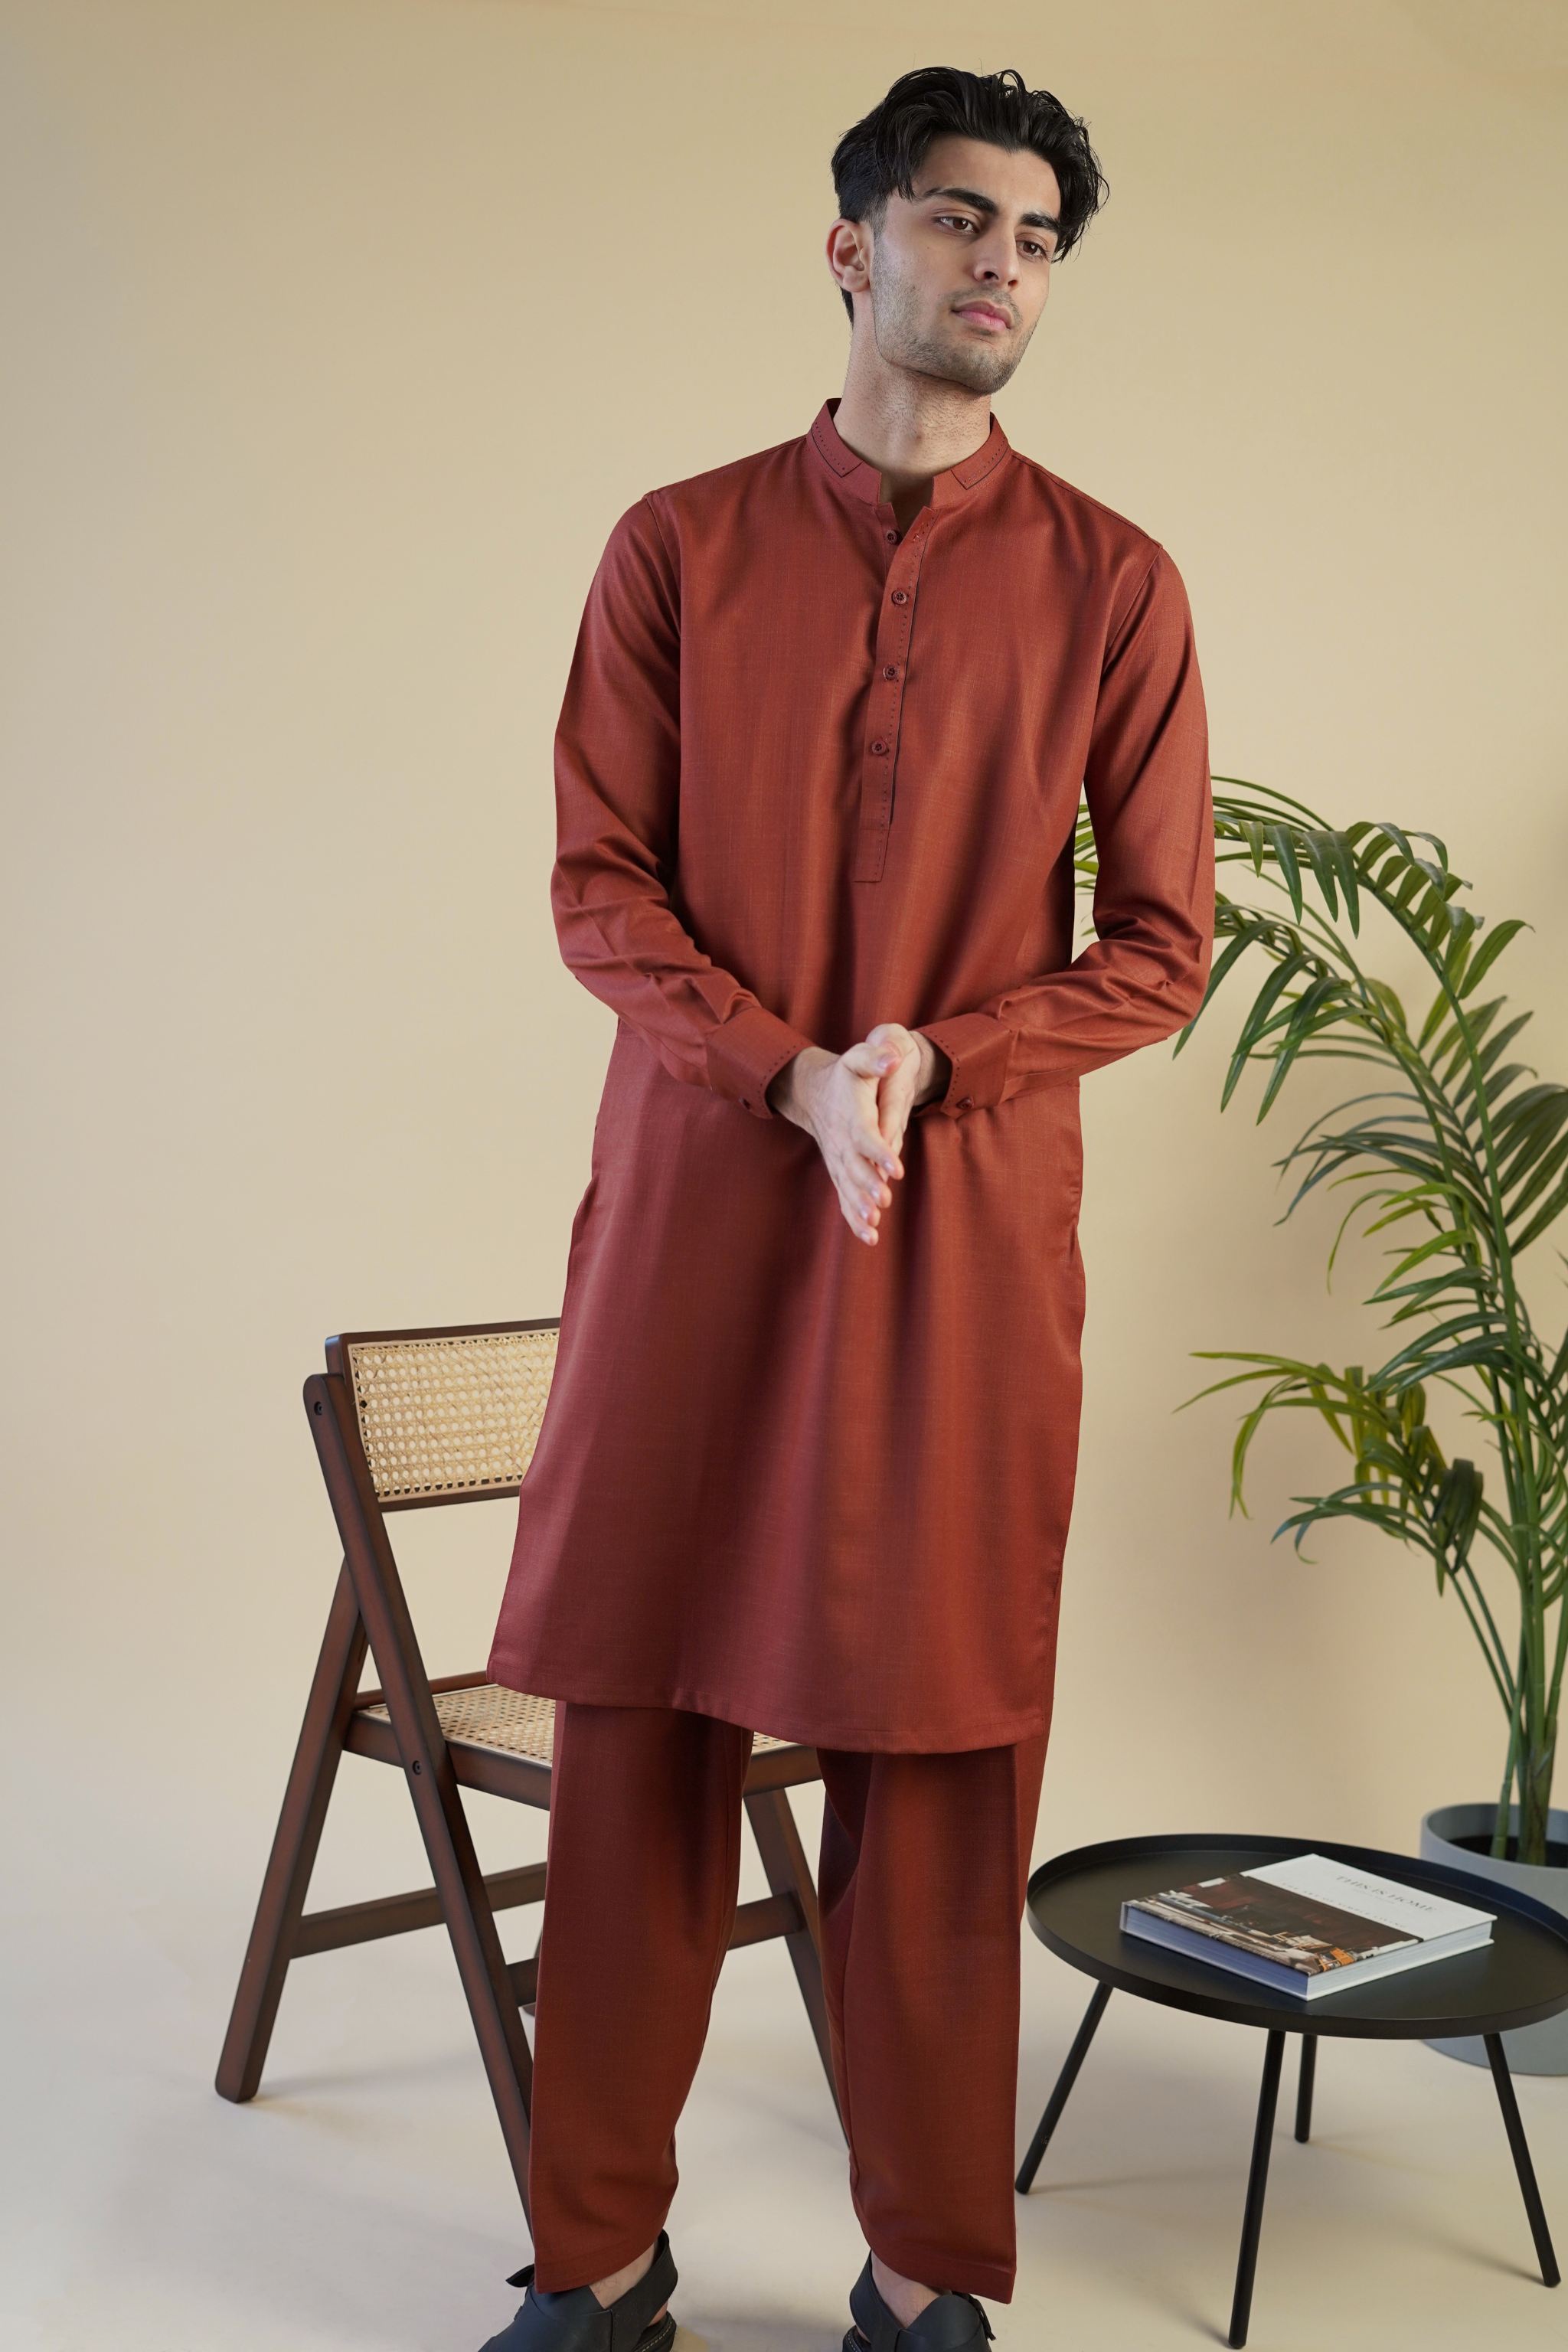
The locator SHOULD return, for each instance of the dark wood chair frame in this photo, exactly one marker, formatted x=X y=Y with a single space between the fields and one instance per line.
x=369 y=1610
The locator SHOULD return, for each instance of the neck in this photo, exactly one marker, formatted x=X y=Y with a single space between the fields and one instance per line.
x=908 y=426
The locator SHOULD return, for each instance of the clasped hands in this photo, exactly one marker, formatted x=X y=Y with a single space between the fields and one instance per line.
x=855 y=1107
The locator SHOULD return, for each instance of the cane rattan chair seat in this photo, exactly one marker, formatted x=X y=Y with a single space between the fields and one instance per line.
x=490 y=1715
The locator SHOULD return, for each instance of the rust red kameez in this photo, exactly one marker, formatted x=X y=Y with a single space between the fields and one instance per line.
x=813 y=775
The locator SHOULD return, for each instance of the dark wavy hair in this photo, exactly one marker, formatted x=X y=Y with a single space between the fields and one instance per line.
x=878 y=156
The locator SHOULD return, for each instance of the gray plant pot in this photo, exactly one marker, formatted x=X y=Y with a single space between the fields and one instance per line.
x=1534 y=2048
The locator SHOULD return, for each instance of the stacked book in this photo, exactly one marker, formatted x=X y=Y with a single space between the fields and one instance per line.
x=1307 y=1925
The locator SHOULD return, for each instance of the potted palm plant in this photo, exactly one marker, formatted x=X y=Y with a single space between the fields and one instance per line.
x=1459 y=1153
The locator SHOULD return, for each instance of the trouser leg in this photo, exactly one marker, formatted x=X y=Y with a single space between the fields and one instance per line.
x=925 y=1862
x=644 y=1838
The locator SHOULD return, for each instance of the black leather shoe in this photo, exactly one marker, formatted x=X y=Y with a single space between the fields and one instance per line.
x=954 y=2323
x=578 y=2322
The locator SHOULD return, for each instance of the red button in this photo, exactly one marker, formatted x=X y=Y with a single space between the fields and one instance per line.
x=878 y=748
x=890 y=671
x=892 y=538
x=901 y=597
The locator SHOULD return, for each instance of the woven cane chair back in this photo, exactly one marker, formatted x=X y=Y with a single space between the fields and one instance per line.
x=448 y=1416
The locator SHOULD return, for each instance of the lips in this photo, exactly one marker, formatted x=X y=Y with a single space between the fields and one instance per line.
x=986 y=315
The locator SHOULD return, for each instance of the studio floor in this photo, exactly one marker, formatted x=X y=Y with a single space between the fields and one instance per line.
x=363 y=2199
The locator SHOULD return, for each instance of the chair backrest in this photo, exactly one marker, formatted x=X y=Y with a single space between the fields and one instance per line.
x=450 y=1415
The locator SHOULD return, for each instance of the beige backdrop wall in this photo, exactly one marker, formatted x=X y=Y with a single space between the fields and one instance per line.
x=338 y=336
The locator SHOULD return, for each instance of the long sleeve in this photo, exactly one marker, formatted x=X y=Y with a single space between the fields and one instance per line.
x=618 y=794
x=1146 y=782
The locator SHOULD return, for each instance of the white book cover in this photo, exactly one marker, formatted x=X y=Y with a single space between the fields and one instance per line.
x=1409 y=1910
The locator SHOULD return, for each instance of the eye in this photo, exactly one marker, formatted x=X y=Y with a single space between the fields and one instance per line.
x=1039 y=252
x=954 y=220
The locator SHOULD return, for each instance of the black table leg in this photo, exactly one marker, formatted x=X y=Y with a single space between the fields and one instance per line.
x=1304 y=2087
x=1521 y=2163
x=1256 y=2188
x=1065 y=2082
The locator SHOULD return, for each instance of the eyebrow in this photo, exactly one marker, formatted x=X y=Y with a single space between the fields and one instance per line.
x=989 y=205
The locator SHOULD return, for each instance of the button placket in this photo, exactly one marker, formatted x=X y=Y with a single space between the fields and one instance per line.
x=879 y=751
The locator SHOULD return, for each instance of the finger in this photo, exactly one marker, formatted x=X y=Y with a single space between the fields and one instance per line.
x=898 y=1085
x=861 y=1187
x=852 y=1117
x=869 y=1143
x=861 y=1227
x=894 y=1102
x=859 y=1134
x=859 y=1216
x=862 y=1182
x=893 y=1130
x=869 y=1060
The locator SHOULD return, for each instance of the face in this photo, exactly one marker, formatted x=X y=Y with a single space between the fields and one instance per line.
x=958 y=274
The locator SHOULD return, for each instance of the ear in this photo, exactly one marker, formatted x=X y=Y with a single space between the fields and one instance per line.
x=849 y=255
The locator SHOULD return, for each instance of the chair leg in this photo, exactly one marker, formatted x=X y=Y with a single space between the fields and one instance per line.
x=494 y=2000
x=1514 y=2128
x=1065 y=2082
x=789 y=1873
x=1257 y=2189
x=294 y=1847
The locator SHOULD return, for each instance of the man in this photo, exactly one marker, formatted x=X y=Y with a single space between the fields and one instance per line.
x=809 y=1456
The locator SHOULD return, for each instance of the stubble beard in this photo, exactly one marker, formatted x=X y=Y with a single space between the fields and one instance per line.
x=903 y=341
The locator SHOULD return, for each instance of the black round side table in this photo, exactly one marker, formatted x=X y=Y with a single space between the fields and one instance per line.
x=1521 y=1976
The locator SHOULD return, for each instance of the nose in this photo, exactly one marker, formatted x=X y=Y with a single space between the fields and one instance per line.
x=994 y=260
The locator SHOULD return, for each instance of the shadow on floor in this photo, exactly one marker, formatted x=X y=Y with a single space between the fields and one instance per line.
x=754 y=2335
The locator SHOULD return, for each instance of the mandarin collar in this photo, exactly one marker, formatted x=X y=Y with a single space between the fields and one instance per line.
x=859 y=481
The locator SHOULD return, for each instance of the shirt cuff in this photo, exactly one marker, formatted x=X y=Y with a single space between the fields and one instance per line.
x=978 y=1047
x=745 y=1054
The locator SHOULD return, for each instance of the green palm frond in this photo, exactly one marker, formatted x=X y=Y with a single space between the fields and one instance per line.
x=1460 y=1152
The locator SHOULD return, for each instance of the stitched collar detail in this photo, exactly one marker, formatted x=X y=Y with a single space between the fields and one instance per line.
x=863 y=481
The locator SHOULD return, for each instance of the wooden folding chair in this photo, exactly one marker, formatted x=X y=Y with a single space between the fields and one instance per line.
x=402 y=1419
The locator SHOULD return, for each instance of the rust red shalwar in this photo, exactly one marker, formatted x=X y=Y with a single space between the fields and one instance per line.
x=814 y=774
